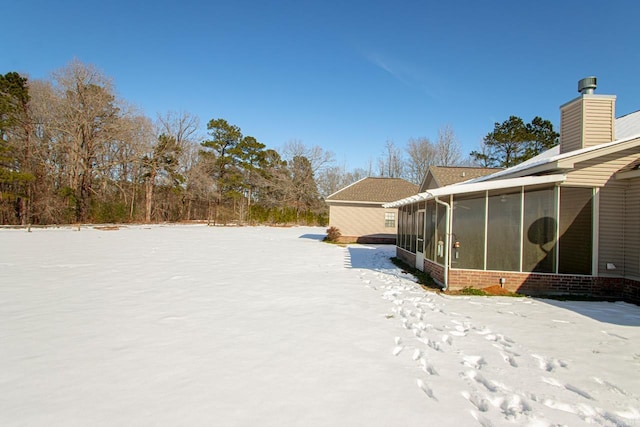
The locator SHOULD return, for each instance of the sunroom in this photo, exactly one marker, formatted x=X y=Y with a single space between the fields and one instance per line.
x=500 y=232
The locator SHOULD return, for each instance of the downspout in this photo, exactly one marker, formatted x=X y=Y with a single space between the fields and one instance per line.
x=446 y=241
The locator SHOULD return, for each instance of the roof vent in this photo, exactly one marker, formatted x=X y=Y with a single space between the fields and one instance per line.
x=587 y=85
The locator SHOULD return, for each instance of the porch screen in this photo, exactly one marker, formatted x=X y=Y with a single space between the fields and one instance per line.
x=440 y=244
x=412 y=229
x=540 y=223
x=503 y=231
x=576 y=230
x=430 y=230
x=467 y=240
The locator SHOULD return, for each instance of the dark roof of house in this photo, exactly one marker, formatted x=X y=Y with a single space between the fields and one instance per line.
x=377 y=190
x=447 y=175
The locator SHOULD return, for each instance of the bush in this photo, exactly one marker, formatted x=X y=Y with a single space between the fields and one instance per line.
x=333 y=234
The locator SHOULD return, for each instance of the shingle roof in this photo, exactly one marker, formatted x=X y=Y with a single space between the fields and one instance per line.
x=377 y=190
x=447 y=175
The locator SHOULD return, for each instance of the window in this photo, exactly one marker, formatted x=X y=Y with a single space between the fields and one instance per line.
x=389 y=219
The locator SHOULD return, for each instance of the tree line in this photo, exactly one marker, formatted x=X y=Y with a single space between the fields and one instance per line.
x=72 y=151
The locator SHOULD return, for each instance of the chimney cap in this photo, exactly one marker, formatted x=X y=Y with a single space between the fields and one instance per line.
x=587 y=85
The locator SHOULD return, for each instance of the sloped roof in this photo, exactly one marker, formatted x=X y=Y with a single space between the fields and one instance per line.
x=627 y=135
x=628 y=125
x=627 y=128
x=376 y=190
x=447 y=175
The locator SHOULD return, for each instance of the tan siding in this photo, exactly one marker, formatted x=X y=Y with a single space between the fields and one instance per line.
x=360 y=220
x=571 y=127
x=611 y=229
x=596 y=172
x=598 y=119
x=428 y=184
x=632 y=229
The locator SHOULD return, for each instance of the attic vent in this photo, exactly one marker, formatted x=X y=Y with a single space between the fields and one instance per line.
x=587 y=85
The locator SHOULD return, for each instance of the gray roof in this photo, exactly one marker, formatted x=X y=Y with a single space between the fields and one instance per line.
x=447 y=175
x=628 y=125
x=376 y=190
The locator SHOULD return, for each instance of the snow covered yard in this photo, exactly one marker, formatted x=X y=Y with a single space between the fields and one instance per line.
x=195 y=325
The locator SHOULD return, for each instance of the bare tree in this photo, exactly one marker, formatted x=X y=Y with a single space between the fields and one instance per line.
x=421 y=154
x=86 y=119
x=391 y=165
x=331 y=179
x=448 y=149
x=318 y=158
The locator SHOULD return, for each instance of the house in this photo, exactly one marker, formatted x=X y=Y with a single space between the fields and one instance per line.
x=564 y=222
x=440 y=176
x=357 y=211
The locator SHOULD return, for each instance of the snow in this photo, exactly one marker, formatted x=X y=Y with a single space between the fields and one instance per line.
x=197 y=325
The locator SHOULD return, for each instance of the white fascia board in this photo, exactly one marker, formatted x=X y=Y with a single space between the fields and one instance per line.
x=478 y=187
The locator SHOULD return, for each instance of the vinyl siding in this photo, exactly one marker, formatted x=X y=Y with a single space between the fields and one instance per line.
x=632 y=229
x=597 y=172
x=571 y=126
x=598 y=121
x=611 y=229
x=360 y=220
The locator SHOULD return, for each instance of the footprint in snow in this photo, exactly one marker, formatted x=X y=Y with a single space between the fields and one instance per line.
x=398 y=349
x=549 y=364
x=428 y=367
x=434 y=345
x=426 y=389
x=476 y=400
x=475 y=376
x=610 y=386
x=509 y=359
x=447 y=339
x=475 y=362
x=416 y=354
x=515 y=406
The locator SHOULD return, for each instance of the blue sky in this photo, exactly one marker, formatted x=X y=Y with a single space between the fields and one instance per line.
x=345 y=75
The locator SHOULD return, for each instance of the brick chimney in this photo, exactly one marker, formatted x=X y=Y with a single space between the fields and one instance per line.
x=587 y=120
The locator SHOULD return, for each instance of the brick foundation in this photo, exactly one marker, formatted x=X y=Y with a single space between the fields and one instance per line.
x=406 y=256
x=381 y=240
x=548 y=284
x=532 y=283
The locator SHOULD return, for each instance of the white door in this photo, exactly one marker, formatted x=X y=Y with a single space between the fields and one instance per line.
x=420 y=223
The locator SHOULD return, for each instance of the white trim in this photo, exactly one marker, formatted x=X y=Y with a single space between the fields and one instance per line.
x=476 y=187
x=521 y=228
x=557 y=243
x=486 y=229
